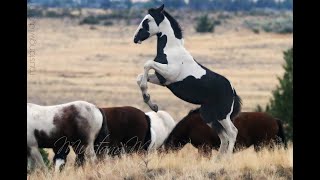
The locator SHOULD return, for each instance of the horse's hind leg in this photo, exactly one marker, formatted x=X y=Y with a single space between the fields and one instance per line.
x=85 y=153
x=89 y=153
x=231 y=132
x=209 y=116
x=60 y=157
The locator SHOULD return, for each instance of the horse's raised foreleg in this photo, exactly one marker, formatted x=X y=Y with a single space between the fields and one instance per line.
x=145 y=94
x=168 y=72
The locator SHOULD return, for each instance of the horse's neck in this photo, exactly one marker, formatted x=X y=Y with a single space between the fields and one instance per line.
x=172 y=41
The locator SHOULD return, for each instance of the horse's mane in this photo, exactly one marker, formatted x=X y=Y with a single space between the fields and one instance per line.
x=175 y=25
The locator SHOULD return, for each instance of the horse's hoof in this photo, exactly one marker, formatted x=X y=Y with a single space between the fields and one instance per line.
x=155 y=108
x=146 y=98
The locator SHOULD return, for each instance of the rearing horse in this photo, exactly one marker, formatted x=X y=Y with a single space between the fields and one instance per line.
x=176 y=69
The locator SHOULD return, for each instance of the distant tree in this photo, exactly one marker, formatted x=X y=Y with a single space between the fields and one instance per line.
x=281 y=104
x=241 y=5
x=287 y=4
x=266 y=4
x=199 y=4
x=106 y=4
x=174 y=3
x=128 y=3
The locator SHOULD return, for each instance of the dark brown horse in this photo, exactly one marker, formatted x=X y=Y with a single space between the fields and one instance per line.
x=254 y=128
x=124 y=128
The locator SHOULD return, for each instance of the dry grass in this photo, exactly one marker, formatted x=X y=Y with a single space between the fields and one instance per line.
x=185 y=164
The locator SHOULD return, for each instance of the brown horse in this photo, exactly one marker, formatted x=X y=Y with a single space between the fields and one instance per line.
x=254 y=128
x=124 y=128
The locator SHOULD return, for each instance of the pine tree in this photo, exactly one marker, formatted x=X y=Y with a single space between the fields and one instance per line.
x=281 y=104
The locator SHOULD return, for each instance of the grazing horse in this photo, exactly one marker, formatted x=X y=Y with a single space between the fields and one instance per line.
x=75 y=123
x=124 y=128
x=130 y=129
x=254 y=128
x=133 y=130
x=161 y=126
x=190 y=81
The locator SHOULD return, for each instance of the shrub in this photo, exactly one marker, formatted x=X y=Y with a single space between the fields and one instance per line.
x=256 y=31
x=108 y=23
x=204 y=24
x=45 y=156
x=34 y=12
x=280 y=25
x=92 y=20
x=52 y=14
x=224 y=16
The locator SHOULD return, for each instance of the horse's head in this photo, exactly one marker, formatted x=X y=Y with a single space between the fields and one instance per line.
x=149 y=25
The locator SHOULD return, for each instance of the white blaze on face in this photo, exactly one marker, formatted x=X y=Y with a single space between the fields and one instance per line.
x=59 y=162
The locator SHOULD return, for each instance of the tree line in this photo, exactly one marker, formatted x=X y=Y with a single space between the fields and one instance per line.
x=228 y=5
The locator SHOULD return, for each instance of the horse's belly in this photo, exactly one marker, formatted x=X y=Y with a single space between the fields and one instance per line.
x=192 y=90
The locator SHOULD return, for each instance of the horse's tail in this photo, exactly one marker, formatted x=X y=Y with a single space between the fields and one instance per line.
x=147 y=138
x=280 y=133
x=237 y=103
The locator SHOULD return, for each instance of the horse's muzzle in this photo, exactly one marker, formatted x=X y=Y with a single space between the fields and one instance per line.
x=136 y=40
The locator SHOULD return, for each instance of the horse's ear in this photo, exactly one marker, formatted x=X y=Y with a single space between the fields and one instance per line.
x=161 y=8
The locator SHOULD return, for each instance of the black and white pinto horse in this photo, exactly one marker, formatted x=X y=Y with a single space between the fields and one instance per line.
x=176 y=69
x=75 y=123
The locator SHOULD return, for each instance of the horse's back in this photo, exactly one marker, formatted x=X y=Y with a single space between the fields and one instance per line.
x=126 y=122
x=161 y=124
x=72 y=120
x=167 y=119
x=255 y=127
x=124 y=115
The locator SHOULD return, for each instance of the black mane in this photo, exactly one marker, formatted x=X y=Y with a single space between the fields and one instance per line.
x=175 y=25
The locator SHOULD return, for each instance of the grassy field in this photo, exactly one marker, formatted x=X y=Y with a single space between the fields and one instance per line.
x=100 y=64
x=185 y=164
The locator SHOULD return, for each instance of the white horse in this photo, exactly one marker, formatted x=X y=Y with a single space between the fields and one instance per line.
x=75 y=123
x=161 y=126
x=190 y=81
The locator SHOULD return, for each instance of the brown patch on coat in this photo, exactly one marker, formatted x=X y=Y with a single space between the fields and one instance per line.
x=70 y=126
